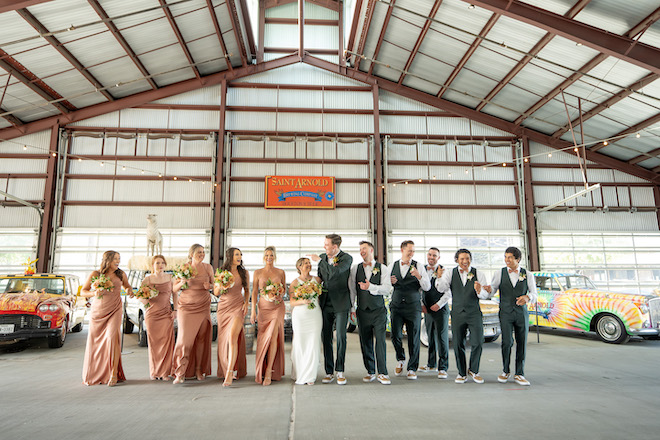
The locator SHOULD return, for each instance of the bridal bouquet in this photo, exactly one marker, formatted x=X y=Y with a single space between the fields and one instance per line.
x=146 y=292
x=308 y=290
x=224 y=280
x=272 y=292
x=184 y=272
x=101 y=284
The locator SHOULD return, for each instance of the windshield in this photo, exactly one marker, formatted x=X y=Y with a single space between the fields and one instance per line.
x=576 y=282
x=53 y=286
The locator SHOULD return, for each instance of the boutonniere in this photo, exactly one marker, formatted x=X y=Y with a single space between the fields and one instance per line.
x=335 y=260
x=470 y=276
x=375 y=271
x=522 y=277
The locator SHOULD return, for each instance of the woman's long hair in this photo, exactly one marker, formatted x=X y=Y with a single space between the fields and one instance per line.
x=229 y=257
x=108 y=256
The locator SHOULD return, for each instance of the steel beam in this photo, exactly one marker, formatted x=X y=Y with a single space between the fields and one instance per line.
x=418 y=43
x=216 y=232
x=480 y=117
x=11 y=5
x=328 y=4
x=179 y=37
x=13 y=120
x=262 y=31
x=248 y=27
x=145 y=97
x=381 y=37
x=122 y=41
x=218 y=32
x=233 y=17
x=46 y=226
x=354 y=24
x=381 y=247
x=301 y=28
x=369 y=15
x=621 y=47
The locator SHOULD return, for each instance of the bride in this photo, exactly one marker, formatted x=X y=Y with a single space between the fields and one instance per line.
x=307 y=324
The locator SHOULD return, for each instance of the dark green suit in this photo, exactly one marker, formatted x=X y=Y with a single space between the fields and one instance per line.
x=406 y=309
x=514 y=319
x=466 y=314
x=335 y=304
x=372 y=321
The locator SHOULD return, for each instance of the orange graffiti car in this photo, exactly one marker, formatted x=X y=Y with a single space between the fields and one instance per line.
x=572 y=301
x=40 y=305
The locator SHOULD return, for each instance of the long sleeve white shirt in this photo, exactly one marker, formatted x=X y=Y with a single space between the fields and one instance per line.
x=444 y=283
x=430 y=271
x=514 y=277
x=424 y=282
x=382 y=289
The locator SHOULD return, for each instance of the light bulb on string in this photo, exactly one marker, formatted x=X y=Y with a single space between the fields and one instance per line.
x=160 y=175
x=503 y=164
x=606 y=143
x=24 y=147
x=420 y=180
x=638 y=135
x=123 y=168
x=549 y=154
x=54 y=154
x=102 y=164
x=142 y=171
x=175 y=178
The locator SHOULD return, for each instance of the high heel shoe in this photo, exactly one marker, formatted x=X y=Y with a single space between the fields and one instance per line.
x=178 y=380
x=113 y=381
x=200 y=376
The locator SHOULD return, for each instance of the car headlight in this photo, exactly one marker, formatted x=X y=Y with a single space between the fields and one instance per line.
x=644 y=308
x=49 y=308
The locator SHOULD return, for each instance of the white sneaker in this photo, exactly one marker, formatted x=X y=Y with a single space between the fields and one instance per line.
x=475 y=377
x=520 y=380
x=384 y=379
x=398 y=371
x=460 y=379
x=442 y=374
x=502 y=378
x=369 y=378
x=341 y=380
x=328 y=378
x=412 y=375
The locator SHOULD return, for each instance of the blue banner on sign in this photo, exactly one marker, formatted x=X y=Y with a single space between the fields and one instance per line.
x=286 y=195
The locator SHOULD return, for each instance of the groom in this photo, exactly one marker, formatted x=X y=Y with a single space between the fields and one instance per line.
x=334 y=269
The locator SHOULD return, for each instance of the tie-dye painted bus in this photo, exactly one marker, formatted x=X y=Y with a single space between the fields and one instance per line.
x=572 y=301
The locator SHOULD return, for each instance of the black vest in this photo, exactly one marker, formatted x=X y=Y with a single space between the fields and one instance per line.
x=509 y=292
x=406 y=289
x=464 y=298
x=432 y=296
x=367 y=301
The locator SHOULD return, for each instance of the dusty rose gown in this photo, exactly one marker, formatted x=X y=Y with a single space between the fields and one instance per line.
x=104 y=337
x=160 y=332
x=230 y=307
x=269 y=320
x=193 y=342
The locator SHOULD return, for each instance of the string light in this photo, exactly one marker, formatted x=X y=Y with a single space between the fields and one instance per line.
x=420 y=180
x=102 y=164
x=189 y=180
x=24 y=147
x=575 y=149
x=142 y=171
x=54 y=154
x=160 y=175
x=606 y=143
x=80 y=159
x=637 y=135
x=175 y=178
x=503 y=164
x=123 y=168
x=406 y=182
x=549 y=154
x=526 y=160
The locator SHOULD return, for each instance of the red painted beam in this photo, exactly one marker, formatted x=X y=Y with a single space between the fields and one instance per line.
x=622 y=47
x=354 y=24
x=297 y=50
x=248 y=27
x=145 y=97
x=217 y=244
x=122 y=41
x=13 y=120
x=481 y=117
x=233 y=17
x=381 y=37
x=218 y=32
x=46 y=227
x=179 y=37
x=328 y=4
x=418 y=43
x=13 y=5
x=369 y=15
x=262 y=31
x=294 y=21
x=473 y=47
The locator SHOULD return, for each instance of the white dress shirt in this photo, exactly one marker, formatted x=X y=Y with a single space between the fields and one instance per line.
x=424 y=282
x=430 y=271
x=382 y=289
x=514 y=277
x=443 y=284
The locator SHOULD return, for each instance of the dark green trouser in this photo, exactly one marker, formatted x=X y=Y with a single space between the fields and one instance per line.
x=372 y=324
x=516 y=323
x=460 y=323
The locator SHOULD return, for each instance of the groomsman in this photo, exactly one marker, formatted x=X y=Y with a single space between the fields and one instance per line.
x=436 y=319
x=334 y=269
x=517 y=288
x=369 y=282
x=466 y=284
x=406 y=307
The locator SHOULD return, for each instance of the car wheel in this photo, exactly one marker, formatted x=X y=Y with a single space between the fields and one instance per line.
x=77 y=328
x=350 y=328
x=58 y=341
x=491 y=338
x=142 y=332
x=215 y=332
x=611 y=330
x=128 y=326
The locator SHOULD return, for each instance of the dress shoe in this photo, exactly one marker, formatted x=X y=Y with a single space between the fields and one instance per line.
x=442 y=374
x=520 y=380
x=341 y=380
x=384 y=379
x=399 y=368
x=502 y=378
x=412 y=375
x=328 y=378
x=369 y=378
x=475 y=377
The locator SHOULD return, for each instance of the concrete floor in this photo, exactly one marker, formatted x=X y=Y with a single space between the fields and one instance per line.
x=581 y=388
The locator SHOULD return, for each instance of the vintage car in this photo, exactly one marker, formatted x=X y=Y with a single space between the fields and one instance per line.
x=572 y=301
x=491 y=322
x=40 y=305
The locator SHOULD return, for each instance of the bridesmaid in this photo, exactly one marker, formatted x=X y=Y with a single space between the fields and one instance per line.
x=192 y=352
x=232 y=308
x=102 y=362
x=307 y=324
x=159 y=319
x=270 y=340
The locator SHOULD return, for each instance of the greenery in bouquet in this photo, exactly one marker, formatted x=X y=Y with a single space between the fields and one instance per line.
x=308 y=290
x=224 y=280
x=273 y=292
x=184 y=272
x=146 y=292
x=101 y=284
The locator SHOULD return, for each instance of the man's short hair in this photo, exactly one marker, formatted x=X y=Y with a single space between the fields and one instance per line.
x=406 y=243
x=334 y=238
x=368 y=243
x=434 y=249
x=462 y=251
x=515 y=251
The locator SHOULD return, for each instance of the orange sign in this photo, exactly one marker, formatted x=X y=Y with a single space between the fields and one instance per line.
x=300 y=192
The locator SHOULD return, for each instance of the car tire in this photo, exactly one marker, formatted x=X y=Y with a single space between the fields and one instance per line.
x=350 y=328
x=77 y=328
x=128 y=326
x=215 y=333
x=142 y=332
x=58 y=341
x=491 y=338
x=610 y=329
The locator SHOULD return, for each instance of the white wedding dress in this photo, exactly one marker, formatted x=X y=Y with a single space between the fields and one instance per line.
x=306 y=344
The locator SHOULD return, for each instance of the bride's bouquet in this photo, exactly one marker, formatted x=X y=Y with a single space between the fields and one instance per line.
x=184 y=272
x=146 y=292
x=224 y=280
x=308 y=290
x=273 y=292
x=101 y=284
